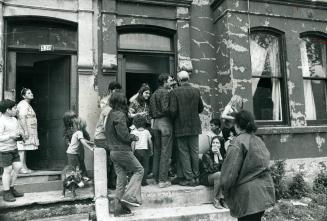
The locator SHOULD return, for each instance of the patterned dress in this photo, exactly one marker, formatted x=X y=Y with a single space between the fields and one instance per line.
x=26 y=111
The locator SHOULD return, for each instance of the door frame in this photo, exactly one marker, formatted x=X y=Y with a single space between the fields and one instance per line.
x=9 y=91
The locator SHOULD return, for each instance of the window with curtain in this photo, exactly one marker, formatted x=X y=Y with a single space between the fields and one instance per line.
x=313 y=58
x=267 y=77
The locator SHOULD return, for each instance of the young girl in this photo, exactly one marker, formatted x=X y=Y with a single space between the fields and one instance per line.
x=75 y=151
x=143 y=147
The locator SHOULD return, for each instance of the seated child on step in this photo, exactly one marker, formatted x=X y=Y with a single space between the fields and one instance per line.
x=143 y=147
x=75 y=151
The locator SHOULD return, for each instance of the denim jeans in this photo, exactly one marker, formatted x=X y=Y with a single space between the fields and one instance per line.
x=124 y=162
x=143 y=157
x=188 y=156
x=163 y=143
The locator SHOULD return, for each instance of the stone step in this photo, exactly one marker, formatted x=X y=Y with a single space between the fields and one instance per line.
x=173 y=196
x=77 y=217
x=191 y=213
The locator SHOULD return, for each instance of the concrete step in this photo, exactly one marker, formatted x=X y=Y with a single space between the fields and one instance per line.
x=173 y=196
x=38 y=181
x=77 y=217
x=191 y=213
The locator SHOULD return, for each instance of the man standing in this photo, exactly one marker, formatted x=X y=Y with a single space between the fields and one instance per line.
x=162 y=130
x=185 y=106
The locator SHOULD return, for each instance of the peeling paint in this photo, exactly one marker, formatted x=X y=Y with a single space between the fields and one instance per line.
x=201 y=2
x=199 y=43
x=182 y=11
x=234 y=46
x=320 y=141
x=284 y=138
x=291 y=86
x=240 y=35
x=109 y=60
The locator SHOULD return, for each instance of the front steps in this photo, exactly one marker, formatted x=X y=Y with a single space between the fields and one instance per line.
x=174 y=203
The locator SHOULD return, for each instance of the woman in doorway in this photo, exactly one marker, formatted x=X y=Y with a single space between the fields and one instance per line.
x=140 y=105
x=210 y=167
x=28 y=122
x=245 y=178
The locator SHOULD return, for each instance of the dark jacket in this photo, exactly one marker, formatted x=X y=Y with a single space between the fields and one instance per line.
x=209 y=166
x=245 y=178
x=185 y=106
x=116 y=130
x=159 y=103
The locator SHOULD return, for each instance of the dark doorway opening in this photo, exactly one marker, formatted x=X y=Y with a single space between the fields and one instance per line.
x=48 y=76
x=134 y=82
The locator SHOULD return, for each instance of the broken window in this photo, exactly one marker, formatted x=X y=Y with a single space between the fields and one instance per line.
x=313 y=57
x=266 y=76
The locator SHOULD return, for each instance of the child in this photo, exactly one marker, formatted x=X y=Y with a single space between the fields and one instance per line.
x=9 y=157
x=143 y=147
x=75 y=151
x=68 y=120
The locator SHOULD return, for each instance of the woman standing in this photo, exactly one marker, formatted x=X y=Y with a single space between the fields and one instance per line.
x=140 y=105
x=211 y=163
x=119 y=142
x=28 y=123
x=245 y=178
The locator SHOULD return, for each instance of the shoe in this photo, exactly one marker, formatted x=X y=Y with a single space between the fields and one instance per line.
x=144 y=183
x=131 y=203
x=25 y=171
x=125 y=208
x=7 y=196
x=122 y=212
x=176 y=181
x=150 y=176
x=15 y=193
x=86 y=179
x=217 y=204
x=223 y=203
x=164 y=184
x=187 y=183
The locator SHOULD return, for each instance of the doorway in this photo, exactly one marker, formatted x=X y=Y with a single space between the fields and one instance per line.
x=49 y=78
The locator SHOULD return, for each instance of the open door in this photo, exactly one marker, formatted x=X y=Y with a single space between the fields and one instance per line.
x=52 y=100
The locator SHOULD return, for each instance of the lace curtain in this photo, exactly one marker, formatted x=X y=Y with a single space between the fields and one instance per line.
x=258 y=62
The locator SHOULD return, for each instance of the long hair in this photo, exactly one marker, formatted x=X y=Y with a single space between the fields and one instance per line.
x=140 y=98
x=222 y=146
x=68 y=118
x=245 y=121
x=118 y=102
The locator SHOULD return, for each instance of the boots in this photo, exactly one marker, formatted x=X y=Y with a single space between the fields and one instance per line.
x=8 y=196
x=15 y=193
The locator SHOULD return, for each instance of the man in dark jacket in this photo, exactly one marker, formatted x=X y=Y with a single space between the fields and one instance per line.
x=162 y=130
x=185 y=106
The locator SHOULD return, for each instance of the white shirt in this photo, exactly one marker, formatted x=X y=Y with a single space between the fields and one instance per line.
x=8 y=127
x=75 y=142
x=143 y=135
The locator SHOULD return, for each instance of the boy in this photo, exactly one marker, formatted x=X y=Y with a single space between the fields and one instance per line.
x=9 y=157
x=143 y=147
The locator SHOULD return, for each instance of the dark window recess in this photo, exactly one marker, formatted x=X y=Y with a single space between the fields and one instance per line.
x=32 y=34
x=267 y=78
x=314 y=72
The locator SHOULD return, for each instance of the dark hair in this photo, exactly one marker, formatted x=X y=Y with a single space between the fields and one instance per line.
x=6 y=104
x=23 y=91
x=215 y=121
x=68 y=118
x=222 y=145
x=245 y=121
x=162 y=79
x=140 y=98
x=113 y=86
x=118 y=101
x=139 y=121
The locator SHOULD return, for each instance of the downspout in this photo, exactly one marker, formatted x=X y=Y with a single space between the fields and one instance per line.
x=100 y=185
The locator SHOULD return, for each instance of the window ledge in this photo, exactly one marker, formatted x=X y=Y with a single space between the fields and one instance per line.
x=291 y=130
x=182 y=3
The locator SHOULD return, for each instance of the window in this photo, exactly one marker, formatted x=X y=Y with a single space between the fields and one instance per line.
x=267 y=77
x=313 y=57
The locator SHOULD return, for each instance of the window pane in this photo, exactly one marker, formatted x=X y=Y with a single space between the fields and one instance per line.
x=267 y=99
x=315 y=60
x=145 y=41
x=315 y=99
x=265 y=55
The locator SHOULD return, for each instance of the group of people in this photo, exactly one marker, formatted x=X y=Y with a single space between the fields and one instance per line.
x=148 y=137
x=165 y=126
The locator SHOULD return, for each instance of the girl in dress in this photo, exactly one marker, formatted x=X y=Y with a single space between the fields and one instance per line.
x=28 y=123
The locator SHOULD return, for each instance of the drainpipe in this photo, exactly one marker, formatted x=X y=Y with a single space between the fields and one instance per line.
x=100 y=185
